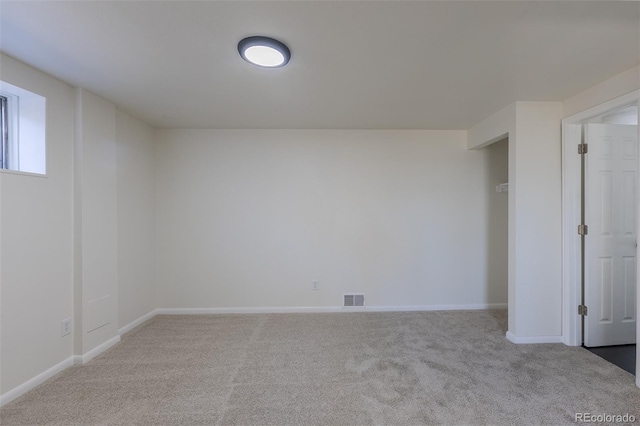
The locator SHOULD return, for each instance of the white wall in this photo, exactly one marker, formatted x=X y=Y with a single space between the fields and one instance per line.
x=136 y=218
x=250 y=218
x=36 y=237
x=537 y=213
x=60 y=252
x=96 y=139
x=114 y=221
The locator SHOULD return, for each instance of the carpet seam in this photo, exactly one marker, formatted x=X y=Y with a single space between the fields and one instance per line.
x=236 y=370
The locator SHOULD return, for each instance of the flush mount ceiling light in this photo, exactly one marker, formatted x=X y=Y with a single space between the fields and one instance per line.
x=264 y=52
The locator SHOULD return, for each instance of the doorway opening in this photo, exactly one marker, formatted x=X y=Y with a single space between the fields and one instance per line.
x=609 y=236
x=497 y=165
x=618 y=111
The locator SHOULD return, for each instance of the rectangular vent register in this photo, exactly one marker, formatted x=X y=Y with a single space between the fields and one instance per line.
x=353 y=300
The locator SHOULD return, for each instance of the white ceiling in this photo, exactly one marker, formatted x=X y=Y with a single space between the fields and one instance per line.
x=360 y=64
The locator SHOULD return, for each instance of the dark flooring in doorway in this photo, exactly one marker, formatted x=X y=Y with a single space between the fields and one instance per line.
x=624 y=356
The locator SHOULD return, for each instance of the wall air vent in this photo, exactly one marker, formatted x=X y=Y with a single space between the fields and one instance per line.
x=353 y=300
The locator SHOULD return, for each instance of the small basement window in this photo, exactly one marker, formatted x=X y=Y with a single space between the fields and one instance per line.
x=22 y=130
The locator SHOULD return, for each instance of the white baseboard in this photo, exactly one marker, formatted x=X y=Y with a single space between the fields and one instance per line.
x=276 y=310
x=32 y=383
x=133 y=324
x=85 y=358
x=58 y=368
x=427 y=308
x=533 y=339
x=307 y=309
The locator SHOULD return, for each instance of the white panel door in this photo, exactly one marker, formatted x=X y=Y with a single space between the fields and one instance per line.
x=611 y=167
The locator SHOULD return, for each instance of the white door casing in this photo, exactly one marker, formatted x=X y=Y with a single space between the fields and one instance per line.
x=611 y=167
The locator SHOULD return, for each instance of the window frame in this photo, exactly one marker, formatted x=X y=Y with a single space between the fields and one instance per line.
x=23 y=141
x=9 y=136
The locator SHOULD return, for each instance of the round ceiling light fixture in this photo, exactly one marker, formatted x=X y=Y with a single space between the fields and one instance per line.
x=264 y=52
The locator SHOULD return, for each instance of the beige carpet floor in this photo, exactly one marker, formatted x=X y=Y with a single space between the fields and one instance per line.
x=361 y=368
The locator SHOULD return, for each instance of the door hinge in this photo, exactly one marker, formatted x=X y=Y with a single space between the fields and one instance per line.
x=582 y=310
x=583 y=148
x=583 y=229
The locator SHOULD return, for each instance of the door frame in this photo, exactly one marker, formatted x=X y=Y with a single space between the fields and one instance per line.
x=571 y=212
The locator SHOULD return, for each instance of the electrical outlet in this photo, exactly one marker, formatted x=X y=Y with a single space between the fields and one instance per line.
x=315 y=285
x=66 y=326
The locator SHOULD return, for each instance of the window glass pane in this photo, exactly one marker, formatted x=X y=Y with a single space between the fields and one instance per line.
x=4 y=134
